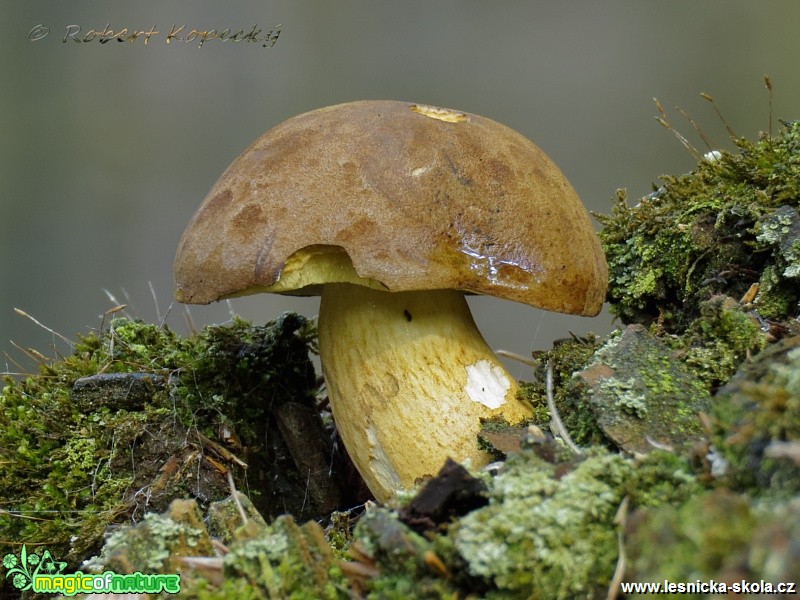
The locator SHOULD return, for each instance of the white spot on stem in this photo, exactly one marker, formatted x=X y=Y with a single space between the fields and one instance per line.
x=487 y=383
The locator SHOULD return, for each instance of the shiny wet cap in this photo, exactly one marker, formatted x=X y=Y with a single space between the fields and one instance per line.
x=417 y=197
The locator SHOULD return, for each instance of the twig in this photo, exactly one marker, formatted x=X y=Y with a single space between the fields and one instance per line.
x=22 y=313
x=620 y=521
x=235 y=496
x=555 y=419
x=155 y=302
x=517 y=357
x=220 y=451
x=790 y=450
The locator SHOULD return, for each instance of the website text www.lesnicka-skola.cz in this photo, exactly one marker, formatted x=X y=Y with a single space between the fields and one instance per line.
x=709 y=587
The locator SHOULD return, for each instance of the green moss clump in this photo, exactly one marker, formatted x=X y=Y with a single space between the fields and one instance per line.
x=728 y=224
x=756 y=414
x=233 y=369
x=697 y=540
x=717 y=536
x=72 y=466
x=63 y=473
x=661 y=477
x=717 y=342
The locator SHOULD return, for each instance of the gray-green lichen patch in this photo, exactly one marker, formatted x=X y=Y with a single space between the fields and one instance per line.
x=643 y=396
x=782 y=230
x=282 y=560
x=543 y=536
x=156 y=544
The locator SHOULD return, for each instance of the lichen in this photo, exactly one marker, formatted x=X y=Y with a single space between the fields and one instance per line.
x=285 y=561
x=543 y=536
x=155 y=544
x=643 y=396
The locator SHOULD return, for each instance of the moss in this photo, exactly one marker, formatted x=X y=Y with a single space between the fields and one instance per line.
x=155 y=544
x=548 y=531
x=718 y=536
x=695 y=540
x=717 y=342
x=224 y=517
x=203 y=406
x=661 y=477
x=757 y=410
x=85 y=462
x=566 y=358
x=401 y=558
x=65 y=463
x=713 y=231
x=339 y=532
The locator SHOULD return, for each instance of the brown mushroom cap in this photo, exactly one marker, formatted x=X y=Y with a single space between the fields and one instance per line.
x=417 y=197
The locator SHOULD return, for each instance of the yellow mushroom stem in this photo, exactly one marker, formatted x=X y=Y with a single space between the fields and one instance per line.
x=409 y=378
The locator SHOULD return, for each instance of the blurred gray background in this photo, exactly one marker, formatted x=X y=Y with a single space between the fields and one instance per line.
x=107 y=149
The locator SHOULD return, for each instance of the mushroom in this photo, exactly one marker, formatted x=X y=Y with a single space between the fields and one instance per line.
x=392 y=211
